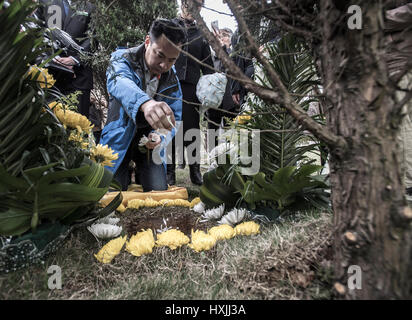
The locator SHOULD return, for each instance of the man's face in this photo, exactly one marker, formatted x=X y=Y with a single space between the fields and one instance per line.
x=185 y=9
x=160 y=55
x=225 y=38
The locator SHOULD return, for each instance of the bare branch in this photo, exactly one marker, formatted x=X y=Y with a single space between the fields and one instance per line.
x=283 y=98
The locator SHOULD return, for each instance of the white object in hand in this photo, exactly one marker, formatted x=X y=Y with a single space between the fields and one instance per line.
x=210 y=89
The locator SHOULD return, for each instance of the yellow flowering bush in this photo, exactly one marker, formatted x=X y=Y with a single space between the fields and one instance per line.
x=69 y=118
x=103 y=155
x=42 y=76
x=80 y=138
x=81 y=132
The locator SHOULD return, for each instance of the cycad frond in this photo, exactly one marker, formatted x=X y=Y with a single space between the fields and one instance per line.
x=281 y=134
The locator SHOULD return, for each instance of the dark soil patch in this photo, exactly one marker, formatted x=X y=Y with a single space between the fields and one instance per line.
x=162 y=218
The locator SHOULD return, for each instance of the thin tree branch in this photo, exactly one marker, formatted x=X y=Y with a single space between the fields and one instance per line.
x=283 y=98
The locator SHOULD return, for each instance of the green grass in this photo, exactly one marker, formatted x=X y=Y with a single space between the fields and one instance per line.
x=285 y=261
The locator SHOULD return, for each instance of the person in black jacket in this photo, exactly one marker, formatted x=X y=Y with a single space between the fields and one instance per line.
x=245 y=64
x=75 y=21
x=189 y=72
x=215 y=116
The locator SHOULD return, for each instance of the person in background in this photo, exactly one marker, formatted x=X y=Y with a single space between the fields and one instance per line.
x=75 y=21
x=145 y=97
x=98 y=113
x=245 y=63
x=215 y=116
x=189 y=72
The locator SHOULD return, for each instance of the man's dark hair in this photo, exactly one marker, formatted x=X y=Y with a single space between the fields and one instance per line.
x=169 y=28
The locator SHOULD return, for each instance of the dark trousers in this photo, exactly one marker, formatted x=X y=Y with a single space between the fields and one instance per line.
x=190 y=120
x=152 y=176
x=214 y=117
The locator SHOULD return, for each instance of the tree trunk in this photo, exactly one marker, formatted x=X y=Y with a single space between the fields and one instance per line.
x=371 y=217
x=373 y=234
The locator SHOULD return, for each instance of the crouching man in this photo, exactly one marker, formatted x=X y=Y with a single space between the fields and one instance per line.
x=145 y=96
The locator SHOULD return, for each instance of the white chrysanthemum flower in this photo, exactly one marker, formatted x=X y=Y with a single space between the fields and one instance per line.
x=199 y=208
x=214 y=213
x=143 y=140
x=234 y=216
x=104 y=231
x=109 y=220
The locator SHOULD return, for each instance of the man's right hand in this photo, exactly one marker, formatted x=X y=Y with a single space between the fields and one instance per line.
x=156 y=113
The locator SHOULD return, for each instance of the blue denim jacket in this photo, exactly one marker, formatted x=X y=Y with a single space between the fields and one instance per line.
x=126 y=87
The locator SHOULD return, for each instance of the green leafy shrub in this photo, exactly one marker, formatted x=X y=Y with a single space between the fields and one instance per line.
x=288 y=180
x=47 y=181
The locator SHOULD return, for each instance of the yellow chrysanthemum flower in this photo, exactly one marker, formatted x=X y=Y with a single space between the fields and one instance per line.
x=247 y=228
x=121 y=208
x=165 y=202
x=172 y=238
x=222 y=232
x=70 y=118
x=42 y=76
x=242 y=119
x=149 y=202
x=202 y=241
x=141 y=243
x=194 y=202
x=136 y=203
x=55 y=105
x=110 y=250
x=103 y=155
x=78 y=136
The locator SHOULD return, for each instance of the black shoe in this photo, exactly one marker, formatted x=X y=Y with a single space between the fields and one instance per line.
x=409 y=191
x=195 y=175
x=171 y=175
